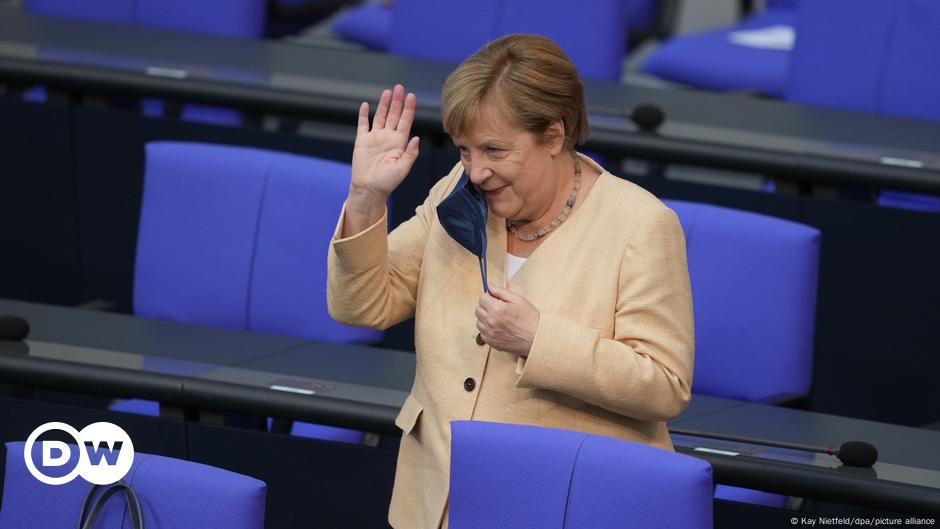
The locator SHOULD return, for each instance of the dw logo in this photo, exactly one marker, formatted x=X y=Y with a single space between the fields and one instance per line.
x=102 y=454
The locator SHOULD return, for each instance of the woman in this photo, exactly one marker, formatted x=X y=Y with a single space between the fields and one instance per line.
x=592 y=333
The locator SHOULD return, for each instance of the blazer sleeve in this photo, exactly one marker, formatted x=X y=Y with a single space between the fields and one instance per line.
x=645 y=371
x=372 y=277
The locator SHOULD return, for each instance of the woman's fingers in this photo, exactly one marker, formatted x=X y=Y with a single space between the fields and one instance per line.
x=395 y=110
x=381 y=111
x=410 y=154
x=407 y=115
x=362 y=127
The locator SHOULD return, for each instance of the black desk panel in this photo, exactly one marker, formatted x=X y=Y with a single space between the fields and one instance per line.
x=144 y=336
x=814 y=144
x=906 y=477
x=37 y=206
x=308 y=382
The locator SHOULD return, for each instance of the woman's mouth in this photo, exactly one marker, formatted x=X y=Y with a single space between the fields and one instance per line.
x=494 y=192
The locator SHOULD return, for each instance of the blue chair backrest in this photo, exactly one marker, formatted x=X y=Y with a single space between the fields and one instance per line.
x=509 y=475
x=592 y=34
x=174 y=494
x=238 y=237
x=230 y=18
x=120 y=11
x=882 y=58
x=754 y=281
x=234 y=18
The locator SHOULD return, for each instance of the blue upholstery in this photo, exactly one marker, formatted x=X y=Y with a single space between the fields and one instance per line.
x=754 y=294
x=592 y=34
x=119 y=11
x=509 y=475
x=167 y=489
x=881 y=59
x=878 y=60
x=238 y=237
x=909 y=201
x=241 y=18
x=711 y=60
x=368 y=24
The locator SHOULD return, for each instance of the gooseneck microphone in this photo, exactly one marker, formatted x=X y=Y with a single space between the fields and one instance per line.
x=851 y=453
x=13 y=328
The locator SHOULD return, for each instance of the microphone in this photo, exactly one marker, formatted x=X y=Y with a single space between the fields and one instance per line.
x=647 y=117
x=851 y=453
x=13 y=328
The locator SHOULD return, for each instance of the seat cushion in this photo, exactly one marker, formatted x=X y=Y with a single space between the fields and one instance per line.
x=712 y=60
x=367 y=24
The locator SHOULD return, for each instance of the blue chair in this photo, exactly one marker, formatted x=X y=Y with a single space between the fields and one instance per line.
x=593 y=34
x=368 y=24
x=880 y=59
x=238 y=237
x=242 y=18
x=723 y=60
x=754 y=282
x=117 y=11
x=174 y=494
x=227 y=18
x=509 y=475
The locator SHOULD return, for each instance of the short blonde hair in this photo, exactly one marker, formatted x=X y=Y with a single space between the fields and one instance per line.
x=528 y=77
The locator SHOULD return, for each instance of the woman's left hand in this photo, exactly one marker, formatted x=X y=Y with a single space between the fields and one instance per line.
x=507 y=321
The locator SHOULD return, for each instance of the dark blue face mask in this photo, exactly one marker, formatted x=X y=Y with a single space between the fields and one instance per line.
x=463 y=215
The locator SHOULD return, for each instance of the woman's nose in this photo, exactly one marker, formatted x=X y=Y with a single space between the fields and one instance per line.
x=477 y=173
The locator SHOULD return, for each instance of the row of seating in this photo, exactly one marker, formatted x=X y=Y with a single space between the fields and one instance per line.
x=877 y=59
x=502 y=476
x=237 y=237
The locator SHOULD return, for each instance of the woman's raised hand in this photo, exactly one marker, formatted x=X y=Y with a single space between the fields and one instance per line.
x=383 y=156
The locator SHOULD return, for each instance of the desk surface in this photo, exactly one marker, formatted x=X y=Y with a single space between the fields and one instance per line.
x=738 y=132
x=361 y=387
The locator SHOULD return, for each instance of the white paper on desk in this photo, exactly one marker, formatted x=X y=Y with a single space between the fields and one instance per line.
x=779 y=37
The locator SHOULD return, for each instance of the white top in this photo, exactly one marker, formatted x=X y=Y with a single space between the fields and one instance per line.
x=513 y=264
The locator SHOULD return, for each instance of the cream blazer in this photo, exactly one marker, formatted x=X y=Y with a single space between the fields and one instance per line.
x=612 y=354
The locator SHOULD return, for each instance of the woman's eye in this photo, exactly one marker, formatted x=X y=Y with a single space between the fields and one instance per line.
x=494 y=150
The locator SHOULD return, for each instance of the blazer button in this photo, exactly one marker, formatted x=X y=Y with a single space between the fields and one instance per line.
x=469 y=384
x=480 y=340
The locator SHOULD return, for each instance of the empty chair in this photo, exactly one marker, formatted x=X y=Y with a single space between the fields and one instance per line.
x=119 y=11
x=754 y=282
x=592 y=34
x=750 y=56
x=879 y=59
x=509 y=475
x=174 y=494
x=238 y=237
x=228 y=18
x=231 y=18
x=369 y=24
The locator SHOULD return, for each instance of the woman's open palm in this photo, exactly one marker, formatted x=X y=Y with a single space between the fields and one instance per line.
x=383 y=156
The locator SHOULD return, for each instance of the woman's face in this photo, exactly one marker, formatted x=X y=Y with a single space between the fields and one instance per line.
x=509 y=166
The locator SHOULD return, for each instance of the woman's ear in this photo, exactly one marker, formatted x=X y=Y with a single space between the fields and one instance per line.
x=556 y=137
